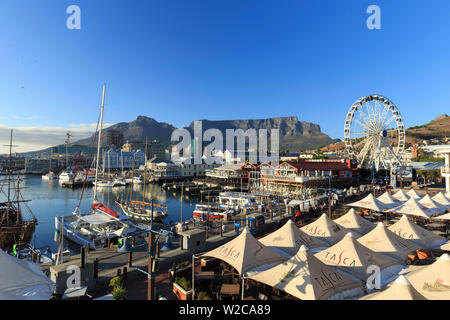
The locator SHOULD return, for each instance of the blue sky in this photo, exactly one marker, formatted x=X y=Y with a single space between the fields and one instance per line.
x=178 y=61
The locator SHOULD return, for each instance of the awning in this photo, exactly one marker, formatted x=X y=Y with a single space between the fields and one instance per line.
x=23 y=280
x=97 y=218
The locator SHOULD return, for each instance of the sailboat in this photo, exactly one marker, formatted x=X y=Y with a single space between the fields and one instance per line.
x=94 y=228
x=142 y=210
x=104 y=183
x=14 y=228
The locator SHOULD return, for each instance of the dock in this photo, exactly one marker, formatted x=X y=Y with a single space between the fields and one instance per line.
x=75 y=184
x=111 y=263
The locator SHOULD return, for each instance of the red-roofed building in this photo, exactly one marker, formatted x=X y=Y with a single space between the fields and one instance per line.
x=294 y=176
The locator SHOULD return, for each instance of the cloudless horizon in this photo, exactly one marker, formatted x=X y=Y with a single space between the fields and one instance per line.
x=178 y=61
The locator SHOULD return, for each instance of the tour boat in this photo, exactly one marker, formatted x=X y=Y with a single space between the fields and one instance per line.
x=208 y=212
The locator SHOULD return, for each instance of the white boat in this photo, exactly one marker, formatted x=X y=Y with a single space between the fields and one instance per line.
x=66 y=176
x=49 y=176
x=210 y=212
x=138 y=180
x=84 y=177
x=92 y=229
x=237 y=200
x=104 y=184
x=98 y=225
x=119 y=182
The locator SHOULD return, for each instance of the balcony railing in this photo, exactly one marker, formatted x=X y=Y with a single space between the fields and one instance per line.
x=298 y=179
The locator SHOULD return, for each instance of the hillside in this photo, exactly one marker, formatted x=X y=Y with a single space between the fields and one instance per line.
x=437 y=129
x=294 y=135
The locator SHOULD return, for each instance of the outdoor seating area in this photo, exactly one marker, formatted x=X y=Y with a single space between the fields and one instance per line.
x=329 y=259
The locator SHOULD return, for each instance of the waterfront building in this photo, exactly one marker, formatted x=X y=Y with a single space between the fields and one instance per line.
x=167 y=169
x=40 y=165
x=17 y=162
x=117 y=159
x=195 y=170
x=154 y=148
x=292 y=177
x=227 y=172
x=445 y=170
x=72 y=149
x=114 y=138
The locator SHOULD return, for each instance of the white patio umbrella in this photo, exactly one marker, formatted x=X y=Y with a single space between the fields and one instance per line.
x=370 y=202
x=443 y=217
x=401 y=195
x=412 y=208
x=413 y=194
x=432 y=205
x=389 y=200
x=442 y=199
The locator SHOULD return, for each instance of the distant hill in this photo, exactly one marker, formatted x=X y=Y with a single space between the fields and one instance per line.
x=138 y=130
x=437 y=129
x=294 y=135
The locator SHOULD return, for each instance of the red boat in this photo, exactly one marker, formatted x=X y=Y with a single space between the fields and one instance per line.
x=101 y=207
x=201 y=212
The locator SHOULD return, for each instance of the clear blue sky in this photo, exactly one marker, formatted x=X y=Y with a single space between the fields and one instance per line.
x=178 y=61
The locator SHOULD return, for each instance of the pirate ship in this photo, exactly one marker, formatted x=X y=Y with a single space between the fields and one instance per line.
x=15 y=229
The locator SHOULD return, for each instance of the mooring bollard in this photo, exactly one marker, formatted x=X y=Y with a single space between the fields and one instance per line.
x=125 y=273
x=83 y=257
x=95 y=268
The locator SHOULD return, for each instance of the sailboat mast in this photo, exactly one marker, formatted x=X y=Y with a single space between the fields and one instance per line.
x=145 y=170
x=9 y=176
x=99 y=142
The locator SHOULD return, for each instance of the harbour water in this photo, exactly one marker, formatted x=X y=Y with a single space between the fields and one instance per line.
x=49 y=199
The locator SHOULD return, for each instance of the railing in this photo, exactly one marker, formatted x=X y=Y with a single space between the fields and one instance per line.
x=445 y=170
x=299 y=179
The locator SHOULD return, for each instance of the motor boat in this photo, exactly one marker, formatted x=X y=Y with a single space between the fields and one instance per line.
x=66 y=176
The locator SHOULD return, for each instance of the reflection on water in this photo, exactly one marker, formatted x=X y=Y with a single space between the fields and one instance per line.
x=50 y=199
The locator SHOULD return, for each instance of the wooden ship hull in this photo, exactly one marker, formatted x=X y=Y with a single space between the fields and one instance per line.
x=17 y=234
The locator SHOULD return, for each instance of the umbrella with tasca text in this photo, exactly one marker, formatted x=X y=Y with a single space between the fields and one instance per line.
x=441 y=199
x=289 y=238
x=354 y=222
x=400 y=195
x=432 y=205
x=307 y=278
x=400 y=289
x=411 y=231
x=245 y=253
x=385 y=242
x=412 y=208
x=326 y=230
x=371 y=203
x=389 y=200
x=355 y=260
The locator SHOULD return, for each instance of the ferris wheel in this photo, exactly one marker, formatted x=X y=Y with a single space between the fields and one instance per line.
x=374 y=133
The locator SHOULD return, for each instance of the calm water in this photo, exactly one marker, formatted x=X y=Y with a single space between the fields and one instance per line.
x=50 y=199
